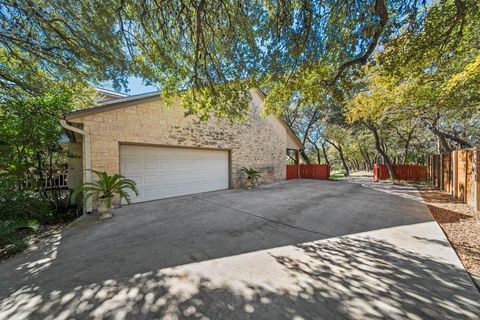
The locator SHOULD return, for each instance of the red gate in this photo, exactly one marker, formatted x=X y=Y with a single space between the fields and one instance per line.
x=407 y=172
x=308 y=171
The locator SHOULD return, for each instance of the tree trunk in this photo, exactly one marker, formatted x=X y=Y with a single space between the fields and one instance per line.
x=325 y=154
x=342 y=158
x=313 y=119
x=344 y=163
x=366 y=158
x=357 y=164
x=314 y=144
x=318 y=154
x=317 y=151
x=405 y=152
x=305 y=157
x=406 y=149
x=406 y=138
x=381 y=151
x=463 y=143
x=442 y=141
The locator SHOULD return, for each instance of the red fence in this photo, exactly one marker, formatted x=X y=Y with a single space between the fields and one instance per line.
x=292 y=171
x=402 y=172
x=308 y=171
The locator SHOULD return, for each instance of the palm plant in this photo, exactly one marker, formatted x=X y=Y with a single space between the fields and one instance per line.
x=104 y=189
x=252 y=174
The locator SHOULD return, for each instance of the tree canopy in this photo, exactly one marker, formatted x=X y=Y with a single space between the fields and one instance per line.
x=403 y=72
x=210 y=50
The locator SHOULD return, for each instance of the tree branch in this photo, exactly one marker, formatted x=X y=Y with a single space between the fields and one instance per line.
x=382 y=12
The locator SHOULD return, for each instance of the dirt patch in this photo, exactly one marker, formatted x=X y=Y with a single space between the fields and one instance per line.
x=460 y=223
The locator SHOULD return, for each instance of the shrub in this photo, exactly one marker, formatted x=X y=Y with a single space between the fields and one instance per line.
x=14 y=235
x=22 y=204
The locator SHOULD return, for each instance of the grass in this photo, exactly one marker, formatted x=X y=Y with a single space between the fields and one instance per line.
x=337 y=175
x=340 y=175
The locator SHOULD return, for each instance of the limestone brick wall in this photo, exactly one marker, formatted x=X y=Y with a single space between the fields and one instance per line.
x=259 y=143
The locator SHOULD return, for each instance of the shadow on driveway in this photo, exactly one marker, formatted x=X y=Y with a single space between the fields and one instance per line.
x=294 y=250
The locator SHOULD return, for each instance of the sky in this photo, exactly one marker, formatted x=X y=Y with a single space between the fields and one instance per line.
x=135 y=86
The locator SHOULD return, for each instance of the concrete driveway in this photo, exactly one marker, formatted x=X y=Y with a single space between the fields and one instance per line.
x=300 y=249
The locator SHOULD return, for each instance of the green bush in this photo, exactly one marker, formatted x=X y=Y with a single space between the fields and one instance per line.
x=20 y=214
x=22 y=204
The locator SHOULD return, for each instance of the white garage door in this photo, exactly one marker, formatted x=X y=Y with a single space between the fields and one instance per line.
x=170 y=172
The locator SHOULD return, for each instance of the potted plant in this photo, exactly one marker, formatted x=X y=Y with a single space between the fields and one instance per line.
x=104 y=189
x=252 y=175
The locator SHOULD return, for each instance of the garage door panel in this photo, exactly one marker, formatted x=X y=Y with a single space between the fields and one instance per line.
x=149 y=193
x=150 y=164
x=132 y=165
x=150 y=179
x=150 y=153
x=168 y=172
x=132 y=151
x=137 y=178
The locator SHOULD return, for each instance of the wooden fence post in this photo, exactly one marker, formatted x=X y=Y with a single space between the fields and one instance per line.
x=433 y=171
x=428 y=169
x=455 y=174
x=437 y=170
x=450 y=173
x=440 y=181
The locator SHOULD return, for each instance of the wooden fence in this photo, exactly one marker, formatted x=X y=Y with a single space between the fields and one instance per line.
x=308 y=171
x=409 y=172
x=457 y=173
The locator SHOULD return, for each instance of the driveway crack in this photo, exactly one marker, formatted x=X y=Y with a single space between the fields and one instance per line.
x=263 y=217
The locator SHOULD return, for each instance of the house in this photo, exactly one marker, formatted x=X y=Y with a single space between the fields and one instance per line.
x=169 y=154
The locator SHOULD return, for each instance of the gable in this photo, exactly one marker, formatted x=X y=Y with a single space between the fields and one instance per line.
x=292 y=141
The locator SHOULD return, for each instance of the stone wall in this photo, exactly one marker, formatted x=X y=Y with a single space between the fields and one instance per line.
x=259 y=143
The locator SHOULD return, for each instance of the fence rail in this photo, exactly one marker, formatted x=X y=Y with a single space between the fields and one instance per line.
x=308 y=171
x=457 y=173
x=409 y=172
x=58 y=181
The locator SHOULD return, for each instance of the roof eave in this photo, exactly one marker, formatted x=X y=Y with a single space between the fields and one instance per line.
x=289 y=130
x=112 y=105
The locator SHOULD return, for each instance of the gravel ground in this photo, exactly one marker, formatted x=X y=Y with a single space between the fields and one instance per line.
x=460 y=223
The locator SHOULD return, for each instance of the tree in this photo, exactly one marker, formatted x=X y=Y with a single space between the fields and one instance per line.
x=60 y=40
x=209 y=51
x=30 y=130
x=441 y=64
x=336 y=136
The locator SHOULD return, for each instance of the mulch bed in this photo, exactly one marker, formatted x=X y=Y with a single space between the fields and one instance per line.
x=459 y=222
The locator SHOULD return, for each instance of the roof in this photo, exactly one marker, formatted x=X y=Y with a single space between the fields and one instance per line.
x=151 y=96
x=113 y=104
x=112 y=93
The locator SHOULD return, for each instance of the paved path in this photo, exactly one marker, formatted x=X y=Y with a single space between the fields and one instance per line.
x=301 y=249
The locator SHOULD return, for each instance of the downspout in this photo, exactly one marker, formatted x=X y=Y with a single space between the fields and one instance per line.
x=87 y=162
